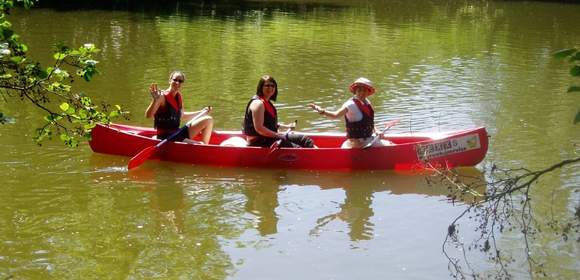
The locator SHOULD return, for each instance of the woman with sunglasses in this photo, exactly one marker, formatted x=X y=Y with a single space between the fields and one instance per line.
x=261 y=120
x=166 y=108
x=358 y=114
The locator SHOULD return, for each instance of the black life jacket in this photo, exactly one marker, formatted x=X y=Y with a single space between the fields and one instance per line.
x=270 y=117
x=168 y=117
x=366 y=126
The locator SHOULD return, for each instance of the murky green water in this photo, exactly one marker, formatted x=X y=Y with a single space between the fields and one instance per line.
x=437 y=65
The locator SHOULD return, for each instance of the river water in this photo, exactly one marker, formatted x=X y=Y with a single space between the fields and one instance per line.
x=437 y=65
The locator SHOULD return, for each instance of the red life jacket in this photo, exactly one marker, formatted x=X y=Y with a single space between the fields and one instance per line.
x=366 y=126
x=168 y=117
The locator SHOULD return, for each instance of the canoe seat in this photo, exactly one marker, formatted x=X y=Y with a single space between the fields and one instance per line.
x=235 y=141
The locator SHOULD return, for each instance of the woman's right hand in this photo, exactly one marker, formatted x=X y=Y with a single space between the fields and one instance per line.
x=316 y=108
x=155 y=92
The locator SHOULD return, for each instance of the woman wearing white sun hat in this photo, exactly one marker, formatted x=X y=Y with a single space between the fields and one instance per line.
x=358 y=114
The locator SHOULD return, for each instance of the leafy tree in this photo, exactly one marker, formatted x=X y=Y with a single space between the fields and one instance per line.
x=573 y=56
x=69 y=115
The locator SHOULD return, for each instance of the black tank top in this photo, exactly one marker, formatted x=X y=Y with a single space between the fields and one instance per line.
x=270 y=121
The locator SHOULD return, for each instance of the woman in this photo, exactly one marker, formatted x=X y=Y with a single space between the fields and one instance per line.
x=166 y=108
x=261 y=120
x=358 y=114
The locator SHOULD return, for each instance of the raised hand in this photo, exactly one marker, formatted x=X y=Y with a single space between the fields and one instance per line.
x=155 y=92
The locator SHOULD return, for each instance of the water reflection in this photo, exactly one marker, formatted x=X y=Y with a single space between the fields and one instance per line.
x=262 y=202
x=261 y=190
x=167 y=203
x=444 y=64
x=216 y=8
x=167 y=198
x=356 y=211
x=171 y=219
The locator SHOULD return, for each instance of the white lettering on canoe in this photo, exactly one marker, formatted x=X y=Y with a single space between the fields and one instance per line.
x=448 y=146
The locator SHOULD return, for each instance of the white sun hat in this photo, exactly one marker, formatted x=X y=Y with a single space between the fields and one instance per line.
x=362 y=82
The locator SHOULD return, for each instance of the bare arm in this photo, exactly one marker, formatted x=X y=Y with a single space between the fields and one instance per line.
x=330 y=114
x=257 y=109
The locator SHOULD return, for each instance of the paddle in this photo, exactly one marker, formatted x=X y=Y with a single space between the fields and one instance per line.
x=146 y=153
x=276 y=145
x=378 y=136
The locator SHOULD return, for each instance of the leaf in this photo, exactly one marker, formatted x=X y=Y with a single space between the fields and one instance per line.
x=23 y=47
x=64 y=106
x=564 y=53
x=59 y=56
x=577 y=119
x=89 y=126
x=573 y=88
x=83 y=113
x=17 y=59
x=7 y=32
x=575 y=71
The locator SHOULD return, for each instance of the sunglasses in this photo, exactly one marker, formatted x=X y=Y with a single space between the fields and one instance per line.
x=178 y=81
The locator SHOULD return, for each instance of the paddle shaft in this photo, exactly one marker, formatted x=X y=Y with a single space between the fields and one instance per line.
x=201 y=113
x=276 y=145
x=151 y=150
x=388 y=125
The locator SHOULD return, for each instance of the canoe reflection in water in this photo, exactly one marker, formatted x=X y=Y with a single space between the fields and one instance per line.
x=261 y=190
x=356 y=210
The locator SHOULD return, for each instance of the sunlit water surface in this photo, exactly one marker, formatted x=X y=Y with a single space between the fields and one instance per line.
x=70 y=214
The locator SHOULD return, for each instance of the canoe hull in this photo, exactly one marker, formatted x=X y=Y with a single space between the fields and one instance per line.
x=460 y=148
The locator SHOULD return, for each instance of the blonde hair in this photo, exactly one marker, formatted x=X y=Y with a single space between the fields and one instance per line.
x=178 y=73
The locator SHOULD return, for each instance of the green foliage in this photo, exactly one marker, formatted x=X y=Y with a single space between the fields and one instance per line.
x=573 y=56
x=70 y=115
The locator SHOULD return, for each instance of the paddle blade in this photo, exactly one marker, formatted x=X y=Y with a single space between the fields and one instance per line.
x=141 y=157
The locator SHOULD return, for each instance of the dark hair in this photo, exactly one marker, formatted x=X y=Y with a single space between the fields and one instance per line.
x=261 y=83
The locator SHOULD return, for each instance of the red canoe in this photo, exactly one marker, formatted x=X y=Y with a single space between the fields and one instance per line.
x=410 y=150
